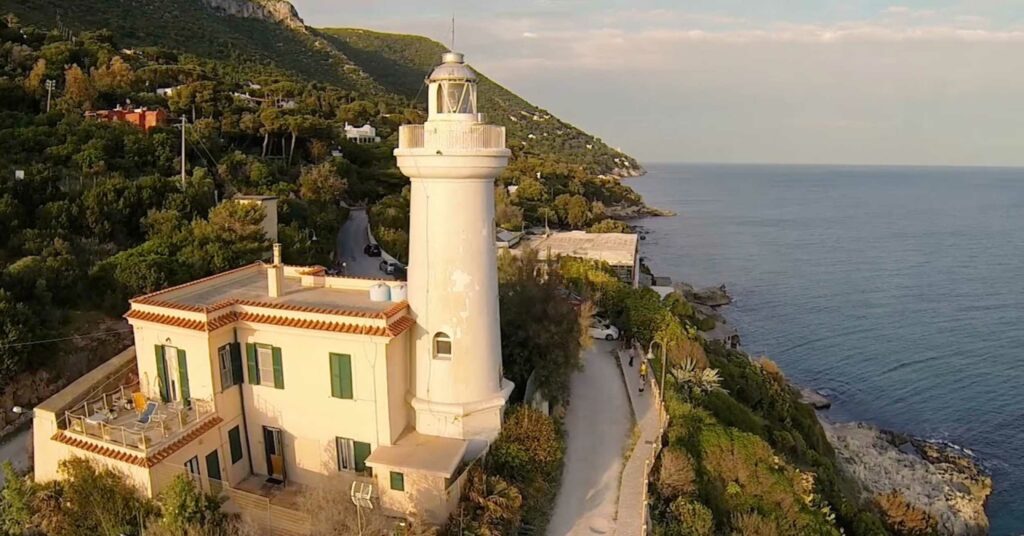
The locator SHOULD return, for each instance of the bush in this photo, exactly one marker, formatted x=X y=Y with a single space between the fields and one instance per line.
x=691 y=519
x=676 y=477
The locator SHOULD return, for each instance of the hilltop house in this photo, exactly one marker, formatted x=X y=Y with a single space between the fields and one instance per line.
x=140 y=117
x=262 y=380
x=361 y=135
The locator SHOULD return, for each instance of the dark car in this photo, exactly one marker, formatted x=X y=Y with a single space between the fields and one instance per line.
x=372 y=250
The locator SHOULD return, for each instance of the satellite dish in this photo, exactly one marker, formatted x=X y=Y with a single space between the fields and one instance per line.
x=361 y=494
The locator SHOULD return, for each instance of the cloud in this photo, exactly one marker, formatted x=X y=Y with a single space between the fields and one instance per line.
x=529 y=35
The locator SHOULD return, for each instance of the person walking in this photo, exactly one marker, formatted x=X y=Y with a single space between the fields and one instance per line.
x=632 y=354
x=643 y=375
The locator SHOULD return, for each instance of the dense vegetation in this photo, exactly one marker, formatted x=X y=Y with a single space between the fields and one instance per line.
x=741 y=454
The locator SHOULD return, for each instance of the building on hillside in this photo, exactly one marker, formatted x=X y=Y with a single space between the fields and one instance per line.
x=263 y=380
x=167 y=91
x=619 y=250
x=141 y=117
x=361 y=135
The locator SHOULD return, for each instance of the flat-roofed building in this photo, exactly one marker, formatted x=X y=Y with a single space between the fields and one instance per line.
x=619 y=250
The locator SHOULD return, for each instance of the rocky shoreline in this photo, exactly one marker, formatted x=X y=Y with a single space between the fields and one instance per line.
x=937 y=478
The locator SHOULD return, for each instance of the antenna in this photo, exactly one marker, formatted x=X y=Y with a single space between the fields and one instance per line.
x=452 y=48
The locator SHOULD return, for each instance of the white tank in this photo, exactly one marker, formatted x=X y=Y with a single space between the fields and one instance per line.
x=399 y=292
x=380 y=293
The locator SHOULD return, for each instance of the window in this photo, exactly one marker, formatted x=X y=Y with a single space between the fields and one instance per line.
x=397 y=481
x=456 y=98
x=265 y=365
x=442 y=346
x=341 y=376
x=224 y=359
x=352 y=454
x=192 y=466
x=235 y=440
x=265 y=358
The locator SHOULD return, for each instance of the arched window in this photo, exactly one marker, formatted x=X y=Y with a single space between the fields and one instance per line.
x=442 y=346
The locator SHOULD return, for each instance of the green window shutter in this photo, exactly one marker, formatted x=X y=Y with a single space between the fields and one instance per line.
x=183 y=378
x=254 y=369
x=341 y=376
x=361 y=451
x=278 y=369
x=235 y=440
x=161 y=373
x=397 y=481
x=236 y=363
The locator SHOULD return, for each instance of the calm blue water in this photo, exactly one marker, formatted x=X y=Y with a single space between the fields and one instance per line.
x=899 y=290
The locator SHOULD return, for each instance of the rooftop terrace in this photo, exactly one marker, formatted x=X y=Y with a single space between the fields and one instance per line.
x=617 y=249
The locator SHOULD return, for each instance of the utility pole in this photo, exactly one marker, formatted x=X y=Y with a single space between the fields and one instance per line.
x=184 y=123
x=50 y=84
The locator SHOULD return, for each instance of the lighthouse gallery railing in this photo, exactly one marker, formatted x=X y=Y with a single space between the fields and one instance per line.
x=451 y=136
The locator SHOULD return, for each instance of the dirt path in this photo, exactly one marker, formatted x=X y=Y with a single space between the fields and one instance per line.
x=598 y=425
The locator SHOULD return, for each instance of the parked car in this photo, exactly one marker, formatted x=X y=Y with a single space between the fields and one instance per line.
x=392 y=268
x=372 y=250
x=604 y=331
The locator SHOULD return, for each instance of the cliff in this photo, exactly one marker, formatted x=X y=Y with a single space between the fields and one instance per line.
x=278 y=11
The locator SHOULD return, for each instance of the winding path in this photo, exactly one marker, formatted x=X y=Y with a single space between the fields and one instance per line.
x=598 y=425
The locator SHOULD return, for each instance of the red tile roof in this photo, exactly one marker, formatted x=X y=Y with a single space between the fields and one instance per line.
x=169 y=320
x=134 y=459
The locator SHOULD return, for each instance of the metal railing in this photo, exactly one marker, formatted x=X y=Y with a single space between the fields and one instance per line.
x=451 y=136
x=169 y=420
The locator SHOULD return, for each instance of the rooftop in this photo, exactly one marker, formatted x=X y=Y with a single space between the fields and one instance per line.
x=249 y=284
x=421 y=453
x=617 y=249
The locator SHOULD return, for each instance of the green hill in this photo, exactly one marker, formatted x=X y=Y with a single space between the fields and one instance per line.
x=241 y=49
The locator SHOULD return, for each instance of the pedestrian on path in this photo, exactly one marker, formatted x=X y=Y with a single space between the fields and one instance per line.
x=643 y=375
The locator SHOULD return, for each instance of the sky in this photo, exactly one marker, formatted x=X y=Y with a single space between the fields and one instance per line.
x=936 y=82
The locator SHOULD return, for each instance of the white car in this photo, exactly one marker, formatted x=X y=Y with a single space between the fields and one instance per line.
x=607 y=332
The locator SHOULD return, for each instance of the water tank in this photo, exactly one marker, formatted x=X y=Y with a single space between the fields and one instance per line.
x=399 y=292
x=380 y=293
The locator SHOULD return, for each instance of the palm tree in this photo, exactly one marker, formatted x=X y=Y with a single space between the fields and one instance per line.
x=492 y=504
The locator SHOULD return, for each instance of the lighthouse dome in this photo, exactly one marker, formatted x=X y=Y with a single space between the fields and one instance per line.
x=452 y=69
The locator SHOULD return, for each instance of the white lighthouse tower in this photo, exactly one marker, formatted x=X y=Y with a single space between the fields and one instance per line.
x=458 y=390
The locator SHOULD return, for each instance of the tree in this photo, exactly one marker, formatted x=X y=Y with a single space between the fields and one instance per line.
x=491 y=506
x=540 y=328
x=116 y=78
x=506 y=215
x=573 y=210
x=185 y=509
x=79 y=93
x=17 y=503
x=528 y=453
x=35 y=79
x=609 y=226
x=91 y=501
x=233 y=236
x=322 y=184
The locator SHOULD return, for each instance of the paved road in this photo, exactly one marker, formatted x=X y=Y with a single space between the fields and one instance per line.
x=598 y=426
x=632 y=513
x=352 y=238
x=15 y=448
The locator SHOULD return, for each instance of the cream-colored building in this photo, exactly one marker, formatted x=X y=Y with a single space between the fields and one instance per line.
x=619 y=250
x=267 y=378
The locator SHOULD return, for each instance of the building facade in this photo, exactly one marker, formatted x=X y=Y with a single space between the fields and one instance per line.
x=271 y=377
x=361 y=135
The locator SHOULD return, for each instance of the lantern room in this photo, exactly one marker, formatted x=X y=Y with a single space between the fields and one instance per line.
x=452 y=90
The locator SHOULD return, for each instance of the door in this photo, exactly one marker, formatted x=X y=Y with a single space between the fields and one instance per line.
x=274 y=446
x=171 y=368
x=213 y=471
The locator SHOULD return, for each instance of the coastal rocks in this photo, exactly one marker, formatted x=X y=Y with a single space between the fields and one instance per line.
x=633 y=212
x=939 y=479
x=710 y=296
x=813 y=398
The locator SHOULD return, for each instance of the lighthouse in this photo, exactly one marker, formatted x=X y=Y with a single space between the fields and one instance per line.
x=457 y=387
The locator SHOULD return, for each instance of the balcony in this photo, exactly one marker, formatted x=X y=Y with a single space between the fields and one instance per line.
x=113 y=418
x=445 y=136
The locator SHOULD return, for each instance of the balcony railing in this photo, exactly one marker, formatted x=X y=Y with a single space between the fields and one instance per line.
x=451 y=136
x=113 y=418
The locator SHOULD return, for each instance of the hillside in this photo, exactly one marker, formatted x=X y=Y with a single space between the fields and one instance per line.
x=401 y=62
x=266 y=40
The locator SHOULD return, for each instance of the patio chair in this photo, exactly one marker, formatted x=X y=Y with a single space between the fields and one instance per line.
x=139 y=400
x=146 y=417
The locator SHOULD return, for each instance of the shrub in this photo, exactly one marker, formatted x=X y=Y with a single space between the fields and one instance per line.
x=691 y=518
x=676 y=477
x=184 y=508
x=753 y=524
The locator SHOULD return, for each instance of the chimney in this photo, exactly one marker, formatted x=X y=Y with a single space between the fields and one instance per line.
x=275 y=274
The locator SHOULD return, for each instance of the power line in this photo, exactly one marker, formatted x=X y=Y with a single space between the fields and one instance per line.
x=29 y=343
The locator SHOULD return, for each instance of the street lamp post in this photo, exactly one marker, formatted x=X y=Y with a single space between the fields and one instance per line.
x=664 y=362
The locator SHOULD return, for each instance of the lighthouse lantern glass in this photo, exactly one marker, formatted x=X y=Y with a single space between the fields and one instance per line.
x=457 y=98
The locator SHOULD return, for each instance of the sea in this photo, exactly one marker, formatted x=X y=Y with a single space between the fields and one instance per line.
x=897 y=291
